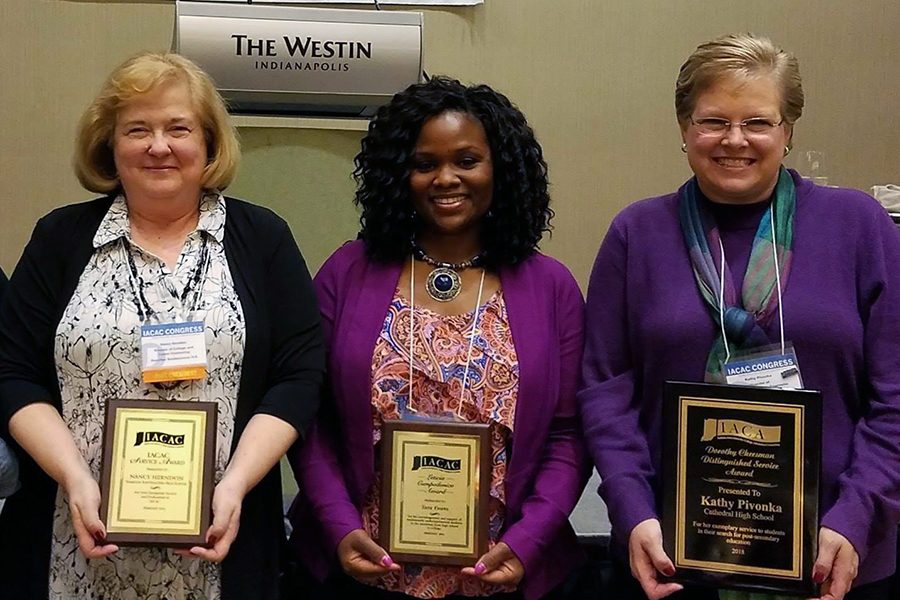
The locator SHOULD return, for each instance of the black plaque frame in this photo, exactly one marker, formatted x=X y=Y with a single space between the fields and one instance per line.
x=204 y=488
x=440 y=432
x=740 y=486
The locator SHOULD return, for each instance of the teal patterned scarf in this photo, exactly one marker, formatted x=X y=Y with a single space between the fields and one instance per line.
x=759 y=295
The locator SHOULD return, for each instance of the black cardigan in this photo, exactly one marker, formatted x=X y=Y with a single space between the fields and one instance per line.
x=281 y=375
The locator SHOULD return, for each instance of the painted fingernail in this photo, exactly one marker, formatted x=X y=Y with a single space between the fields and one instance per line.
x=669 y=571
x=386 y=562
x=480 y=569
x=818 y=576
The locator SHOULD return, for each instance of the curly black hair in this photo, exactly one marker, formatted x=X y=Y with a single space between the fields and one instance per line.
x=520 y=211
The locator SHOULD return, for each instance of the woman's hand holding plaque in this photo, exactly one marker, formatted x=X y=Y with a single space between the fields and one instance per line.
x=648 y=560
x=499 y=566
x=226 y=507
x=836 y=564
x=363 y=559
x=83 y=495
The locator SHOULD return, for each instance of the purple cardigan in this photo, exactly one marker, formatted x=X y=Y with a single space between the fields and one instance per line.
x=547 y=468
x=646 y=322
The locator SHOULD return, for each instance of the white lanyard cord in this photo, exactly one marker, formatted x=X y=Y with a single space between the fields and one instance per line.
x=412 y=306
x=462 y=393
x=777 y=280
x=777 y=287
x=722 y=297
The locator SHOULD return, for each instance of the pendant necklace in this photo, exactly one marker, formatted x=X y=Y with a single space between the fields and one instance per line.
x=443 y=283
x=412 y=308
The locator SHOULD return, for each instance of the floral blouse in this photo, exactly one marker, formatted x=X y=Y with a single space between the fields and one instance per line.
x=440 y=348
x=97 y=352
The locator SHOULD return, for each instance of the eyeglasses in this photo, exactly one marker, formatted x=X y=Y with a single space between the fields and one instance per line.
x=753 y=127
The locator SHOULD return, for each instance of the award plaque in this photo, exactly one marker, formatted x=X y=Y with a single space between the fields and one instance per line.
x=740 y=486
x=157 y=480
x=435 y=491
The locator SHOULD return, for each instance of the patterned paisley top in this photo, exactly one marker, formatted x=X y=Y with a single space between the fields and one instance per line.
x=440 y=348
x=97 y=353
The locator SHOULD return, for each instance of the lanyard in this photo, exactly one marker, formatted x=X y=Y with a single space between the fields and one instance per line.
x=777 y=287
x=193 y=287
x=412 y=308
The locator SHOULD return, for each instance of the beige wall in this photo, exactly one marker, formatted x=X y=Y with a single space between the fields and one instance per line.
x=595 y=78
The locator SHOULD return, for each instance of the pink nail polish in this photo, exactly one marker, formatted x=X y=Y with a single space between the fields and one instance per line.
x=480 y=569
x=386 y=562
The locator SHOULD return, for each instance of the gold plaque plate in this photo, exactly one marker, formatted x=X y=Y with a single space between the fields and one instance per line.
x=435 y=491
x=157 y=480
x=740 y=486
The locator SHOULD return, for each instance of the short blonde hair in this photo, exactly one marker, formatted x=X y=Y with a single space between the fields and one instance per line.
x=742 y=55
x=145 y=72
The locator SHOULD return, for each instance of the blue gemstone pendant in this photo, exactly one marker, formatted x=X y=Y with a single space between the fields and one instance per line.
x=443 y=284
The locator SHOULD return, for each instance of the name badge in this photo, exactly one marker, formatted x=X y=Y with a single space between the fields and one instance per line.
x=173 y=352
x=765 y=369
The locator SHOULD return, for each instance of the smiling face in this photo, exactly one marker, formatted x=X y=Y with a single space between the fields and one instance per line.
x=159 y=145
x=451 y=177
x=737 y=168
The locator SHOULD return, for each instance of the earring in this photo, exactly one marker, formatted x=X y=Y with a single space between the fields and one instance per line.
x=787 y=150
x=684 y=147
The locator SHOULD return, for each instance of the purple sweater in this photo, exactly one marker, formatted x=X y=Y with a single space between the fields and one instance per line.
x=547 y=468
x=646 y=322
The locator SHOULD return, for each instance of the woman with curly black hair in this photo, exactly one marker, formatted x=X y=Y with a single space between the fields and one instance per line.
x=444 y=311
x=520 y=211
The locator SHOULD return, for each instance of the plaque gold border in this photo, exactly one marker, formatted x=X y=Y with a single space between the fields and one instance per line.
x=186 y=529
x=397 y=437
x=804 y=409
x=797 y=412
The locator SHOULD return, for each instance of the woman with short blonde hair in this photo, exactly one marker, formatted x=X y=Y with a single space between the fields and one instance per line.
x=739 y=55
x=744 y=255
x=163 y=246
x=94 y=164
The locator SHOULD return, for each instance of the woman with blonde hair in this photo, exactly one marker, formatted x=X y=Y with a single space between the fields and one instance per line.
x=747 y=253
x=163 y=245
